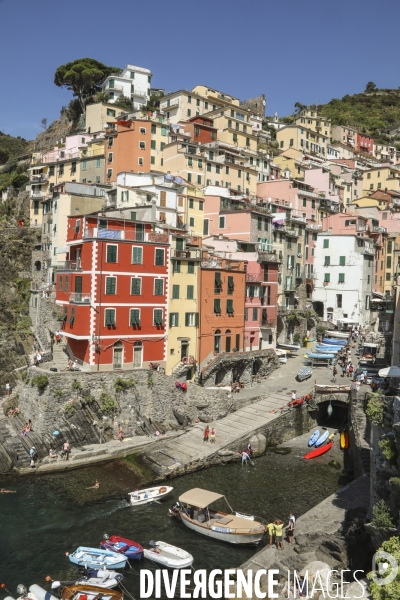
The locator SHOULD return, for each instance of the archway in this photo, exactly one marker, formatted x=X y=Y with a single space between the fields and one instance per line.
x=228 y=340
x=38 y=265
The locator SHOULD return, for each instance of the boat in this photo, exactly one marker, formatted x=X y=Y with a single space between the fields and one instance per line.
x=169 y=556
x=291 y=347
x=318 y=451
x=242 y=516
x=97 y=559
x=100 y=577
x=323 y=349
x=282 y=355
x=334 y=341
x=195 y=514
x=304 y=373
x=313 y=438
x=87 y=592
x=322 y=439
x=130 y=549
x=344 y=440
x=149 y=495
x=332 y=389
x=317 y=356
x=339 y=334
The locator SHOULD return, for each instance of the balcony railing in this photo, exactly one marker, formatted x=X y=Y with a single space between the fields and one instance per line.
x=39 y=177
x=186 y=254
x=314 y=226
x=291 y=232
x=121 y=234
x=290 y=287
x=69 y=265
x=79 y=298
x=37 y=195
x=268 y=323
x=254 y=277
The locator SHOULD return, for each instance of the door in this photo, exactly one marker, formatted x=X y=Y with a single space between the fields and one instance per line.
x=78 y=288
x=117 y=359
x=139 y=232
x=137 y=355
x=184 y=350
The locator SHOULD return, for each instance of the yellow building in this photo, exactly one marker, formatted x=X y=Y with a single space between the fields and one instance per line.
x=382 y=178
x=234 y=127
x=299 y=137
x=310 y=119
x=97 y=115
x=183 y=305
x=292 y=160
x=214 y=96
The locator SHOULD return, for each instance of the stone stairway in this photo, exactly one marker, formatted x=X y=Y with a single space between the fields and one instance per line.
x=60 y=357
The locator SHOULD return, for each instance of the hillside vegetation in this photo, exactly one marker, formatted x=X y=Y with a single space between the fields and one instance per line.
x=11 y=147
x=372 y=112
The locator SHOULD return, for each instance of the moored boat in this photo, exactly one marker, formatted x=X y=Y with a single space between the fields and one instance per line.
x=97 y=559
x=334 y=341
x=331 y=389
x=103 y=578
x=120 y=545
x=324 y=349
x=316 y=355
x=88 y=592
x=291 y=347
x=339 y=334
x=319 y=451
x=169 y=556
x=149 y=495
x=323 y=437
x=195 y=513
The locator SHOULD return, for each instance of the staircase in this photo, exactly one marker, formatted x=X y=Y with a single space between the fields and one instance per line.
x=60 y=357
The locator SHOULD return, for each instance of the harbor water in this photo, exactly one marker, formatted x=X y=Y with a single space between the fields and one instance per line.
x=50 y=515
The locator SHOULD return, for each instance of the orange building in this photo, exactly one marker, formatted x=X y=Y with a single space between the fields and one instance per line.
x=222 y=286
x=201 y=129
x=127 y=148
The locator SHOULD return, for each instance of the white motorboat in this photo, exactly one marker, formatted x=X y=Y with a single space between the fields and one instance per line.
x=344 y=335
x=282 y=355
x=290 y=347
x=169 y=556
x=98 y=577
x=149 y=495
x=195 y=513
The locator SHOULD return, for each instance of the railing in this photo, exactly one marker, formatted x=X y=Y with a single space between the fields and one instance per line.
x=267 y=323
x=255 y=277
x=188 y=254
x=291 y=232
x=269 y=257
x=138 y=94
x=115 y=86
x=79 y=298
x=53 y=158
x=211 y=263
x=166 y=106
x=40 y=177
x=37 y=195
x=312 y=226
x=298 y=218
x=69 y=265
x=157 y=238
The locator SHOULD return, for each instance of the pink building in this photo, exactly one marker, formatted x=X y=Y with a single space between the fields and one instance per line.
x=300 y=196
x=321 y=180
x=261 y=288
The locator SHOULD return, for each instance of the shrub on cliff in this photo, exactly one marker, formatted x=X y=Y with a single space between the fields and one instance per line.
x=388 y=449
x=381 y=515
x=121 y=385
x=109 y=405
x=40 y=381
x=375 y=410
x=76 y=385
x=390 y=591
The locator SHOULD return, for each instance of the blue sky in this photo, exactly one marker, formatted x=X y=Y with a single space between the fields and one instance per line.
x=291 y=50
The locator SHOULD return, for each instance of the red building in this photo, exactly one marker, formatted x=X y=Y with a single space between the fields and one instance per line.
x=201 y=129
x=113 y=293
x=365 y=143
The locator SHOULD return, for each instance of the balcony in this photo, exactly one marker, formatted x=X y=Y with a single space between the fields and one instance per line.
x=38 y=178
x=121 y=234
x=69 y=265
x=186 y=254
x=137 y=94
x=79 y=298
x=268 y=257
x=37 y=195
x=313 y=226
x=267 y=323
x=329 y=205
x=291 y=232
x=254 y=277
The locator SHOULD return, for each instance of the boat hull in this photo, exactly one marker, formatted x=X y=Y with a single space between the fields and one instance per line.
x=334 y=342
x=169 y=556
x=291 y=347
x=152 y=494
x=231 y=538
x=317 y=356
x=319 y=451
x=339 y=334
x=97 y=559
x=128 y=548
x=344 y=440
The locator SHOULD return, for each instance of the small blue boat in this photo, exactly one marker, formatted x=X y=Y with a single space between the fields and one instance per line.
x=322 y=439
x=97 y=559
x=317 y=356
x=313 y=438
x=327 y=349
x=334 y=341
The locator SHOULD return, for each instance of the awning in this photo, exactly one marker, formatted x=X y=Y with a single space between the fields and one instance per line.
x=377 y=294
x=199 y=498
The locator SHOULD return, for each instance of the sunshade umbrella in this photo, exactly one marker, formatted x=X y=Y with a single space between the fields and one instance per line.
x=390 y=372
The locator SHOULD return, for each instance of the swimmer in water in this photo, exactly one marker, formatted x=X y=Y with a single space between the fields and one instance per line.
x=95 y=486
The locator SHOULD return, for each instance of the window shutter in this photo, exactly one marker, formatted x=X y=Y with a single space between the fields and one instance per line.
x=135 y=317
x=137 y=254
x=229 y=307
x=65 y=312
x=179 y=244
x=251 y=291
x=341 y=277
x=175 y=291
x=78 y=284
x=110 y=285
x=342 y=261
x=190 y=292
x=135 y=286
x=327 y=260
x=159 y=257
x=158 y=317
x=187 y=317
x=173 y=319
x=158 y=287
x=196 y=319
x=72 y=317
x=230 y=284
x=110 y=316
x=327 y=277
x=111 y=254
x=217 y=305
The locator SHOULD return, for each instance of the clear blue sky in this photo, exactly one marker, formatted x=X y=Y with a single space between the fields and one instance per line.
x=291 y=50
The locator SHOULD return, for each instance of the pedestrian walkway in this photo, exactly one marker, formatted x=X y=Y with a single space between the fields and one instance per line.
x=189 y=448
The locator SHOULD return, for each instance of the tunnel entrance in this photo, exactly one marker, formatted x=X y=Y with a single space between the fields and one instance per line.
x=339 y=417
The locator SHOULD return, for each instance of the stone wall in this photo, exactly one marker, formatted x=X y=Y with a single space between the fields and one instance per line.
x=44 y=319
x=227 y=367
x=255 y=105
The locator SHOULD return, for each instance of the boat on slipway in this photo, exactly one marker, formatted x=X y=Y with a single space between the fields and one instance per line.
x=196 y=514
x=318 y=356
x=290 y=347
x=318 y=451
x=103 y=578
x=344 y=335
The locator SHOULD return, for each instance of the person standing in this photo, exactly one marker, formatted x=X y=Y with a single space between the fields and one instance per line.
x=271 y=533
x=294 y=396
x=290 y=529
x=8 y=388
x=206 y=434
x=66 y=450
x=33 y=457
x=212 y=436
x=245 y=457
x=120 y=433
x=279 y=525
x=334 y=373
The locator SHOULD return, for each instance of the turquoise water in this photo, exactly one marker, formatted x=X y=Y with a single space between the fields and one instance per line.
x=54 y=514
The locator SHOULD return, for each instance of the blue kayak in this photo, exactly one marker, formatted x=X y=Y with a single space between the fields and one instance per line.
x=334 y=342
x=315 y=355
x=322 y=439
x=313 y=438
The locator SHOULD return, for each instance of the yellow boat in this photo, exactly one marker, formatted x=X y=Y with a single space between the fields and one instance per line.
x=344 y=440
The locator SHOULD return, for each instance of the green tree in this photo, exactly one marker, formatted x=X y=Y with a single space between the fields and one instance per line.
x=4 y=155
x=83 y=77
x=370 y=87
x=153 y=103
x=298 y=107
x=389 y=591
x=124 y=102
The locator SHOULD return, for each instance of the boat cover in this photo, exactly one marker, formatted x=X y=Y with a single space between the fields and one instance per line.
x=200 y=498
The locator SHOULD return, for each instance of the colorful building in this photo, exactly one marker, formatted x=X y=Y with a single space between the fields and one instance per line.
x=113 y=291
x=127 y=148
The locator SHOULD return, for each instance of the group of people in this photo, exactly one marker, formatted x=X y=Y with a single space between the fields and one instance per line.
x=27 y=428
x=235 y=389
x=275 y=531
x=209 y=435
x=37 y=358
x=71 y=366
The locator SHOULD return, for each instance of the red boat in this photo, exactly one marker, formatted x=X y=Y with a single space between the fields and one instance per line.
x=132 y=550
x=319 y=451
